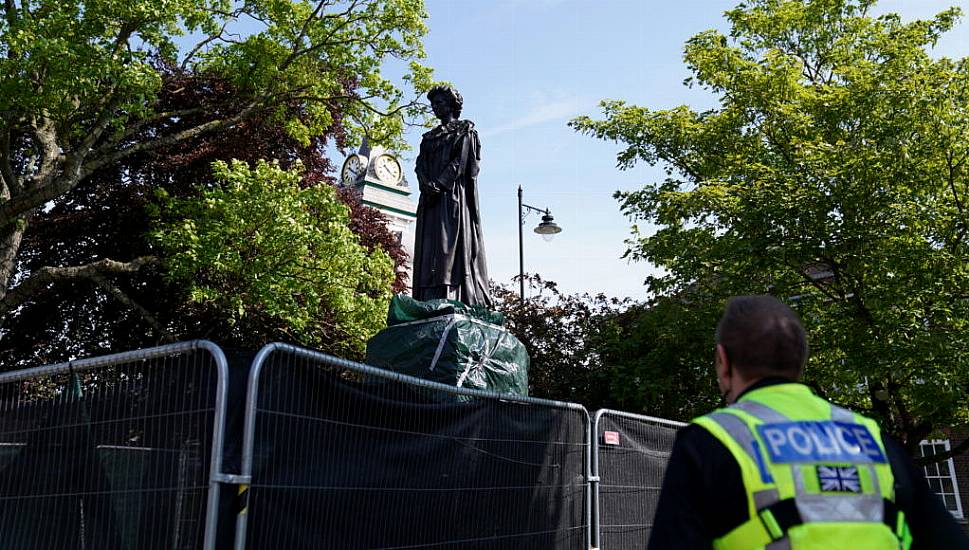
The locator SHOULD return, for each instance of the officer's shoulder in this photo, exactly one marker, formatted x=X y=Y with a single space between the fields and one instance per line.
x=695 y=436
x=690 y=430
x=698 y=450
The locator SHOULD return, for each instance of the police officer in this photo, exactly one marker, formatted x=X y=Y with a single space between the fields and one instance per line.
x=781 y=468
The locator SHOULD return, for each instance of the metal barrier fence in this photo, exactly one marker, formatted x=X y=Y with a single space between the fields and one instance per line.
x=629 y=456
x=125 y=451
x=343 y=455
x=113 y=452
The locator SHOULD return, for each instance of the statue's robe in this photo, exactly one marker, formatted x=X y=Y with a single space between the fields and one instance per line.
x=449 y=255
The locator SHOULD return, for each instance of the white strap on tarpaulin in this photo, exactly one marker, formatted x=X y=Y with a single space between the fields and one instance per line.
x=452 y=319
x=464 y=375
x=486 y=358
x=440 y=344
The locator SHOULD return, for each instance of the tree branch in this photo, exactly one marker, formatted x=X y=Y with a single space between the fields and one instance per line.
x=852 y=293
x=76 y=159
x=10 y=11
x=47 y=275
x=230 y=16
x=74 y=171
x=135 y=127
x=306 y=24
x=124 y=34
x=362 y=101
x=10 y=239
x=202 y=43
x=43 y=190
x=189 y=133
x=818 y=284
x=297 y=52
x=46 y=138
x=904 y=417
x=9 y=185
x=955 y=196
x=879 y=405
x=120 y=296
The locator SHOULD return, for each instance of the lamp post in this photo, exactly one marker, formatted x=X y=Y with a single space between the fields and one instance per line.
x=547 y=229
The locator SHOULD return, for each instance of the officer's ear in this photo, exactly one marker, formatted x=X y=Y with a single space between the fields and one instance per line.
x=723 y=367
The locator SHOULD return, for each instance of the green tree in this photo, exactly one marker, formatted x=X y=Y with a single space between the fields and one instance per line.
x=79 y=81
x=614 y=353
x=659 y=359
x=106 y=215
x=563 y=334
x=833 y=174
x=273 y=259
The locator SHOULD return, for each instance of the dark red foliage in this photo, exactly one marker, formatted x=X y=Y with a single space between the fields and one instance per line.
x=107 y=216
x=563 y=334
x=371 y=226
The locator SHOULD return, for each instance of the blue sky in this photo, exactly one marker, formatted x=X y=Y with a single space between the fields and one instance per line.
x=525 y=67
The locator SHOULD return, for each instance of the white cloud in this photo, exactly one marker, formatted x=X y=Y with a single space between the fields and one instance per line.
x=560 y=109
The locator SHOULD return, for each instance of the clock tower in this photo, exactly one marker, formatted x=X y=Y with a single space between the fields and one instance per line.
x=378 y=177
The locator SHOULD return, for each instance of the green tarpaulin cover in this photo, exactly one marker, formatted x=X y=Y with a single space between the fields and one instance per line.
x=452 y=343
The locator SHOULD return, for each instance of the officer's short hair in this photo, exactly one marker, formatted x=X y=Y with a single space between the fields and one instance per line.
x=763 y=337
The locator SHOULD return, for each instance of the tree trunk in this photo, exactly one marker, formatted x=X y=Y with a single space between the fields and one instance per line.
x=9 y=248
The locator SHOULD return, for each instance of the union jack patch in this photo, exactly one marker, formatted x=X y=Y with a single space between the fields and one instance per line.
x=839 y=479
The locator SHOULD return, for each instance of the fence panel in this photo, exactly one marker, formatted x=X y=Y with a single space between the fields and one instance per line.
x=342 y=455
x=114 y=451
x=630 y=452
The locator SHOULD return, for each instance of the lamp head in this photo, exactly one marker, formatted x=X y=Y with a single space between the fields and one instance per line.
x=548 y=228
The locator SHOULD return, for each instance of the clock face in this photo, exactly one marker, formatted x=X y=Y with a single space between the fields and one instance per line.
x=353 y=168
x=388 y=169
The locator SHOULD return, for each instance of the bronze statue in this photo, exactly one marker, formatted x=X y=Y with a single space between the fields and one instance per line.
x=449 y=255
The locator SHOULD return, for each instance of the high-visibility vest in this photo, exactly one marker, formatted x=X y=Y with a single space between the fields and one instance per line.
x=817 y=476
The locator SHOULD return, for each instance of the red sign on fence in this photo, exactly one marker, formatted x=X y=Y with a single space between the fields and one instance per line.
x=610 y=438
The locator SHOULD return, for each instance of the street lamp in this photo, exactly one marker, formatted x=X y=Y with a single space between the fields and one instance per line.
x=547 y=229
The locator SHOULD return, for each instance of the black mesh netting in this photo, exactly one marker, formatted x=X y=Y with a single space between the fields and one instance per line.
x=342 y=462
x=631 y=475
x=116 y=457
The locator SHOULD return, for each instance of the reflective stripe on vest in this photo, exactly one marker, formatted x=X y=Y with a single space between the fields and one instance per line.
x=742 y=435
x=781 y=434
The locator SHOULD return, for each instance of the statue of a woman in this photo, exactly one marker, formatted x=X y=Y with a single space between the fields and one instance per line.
x=449 y=255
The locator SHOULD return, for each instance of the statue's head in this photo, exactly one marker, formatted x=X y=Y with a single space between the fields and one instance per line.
x=446 y=98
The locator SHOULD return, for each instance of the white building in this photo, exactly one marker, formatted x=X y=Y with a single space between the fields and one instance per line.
x=377 y=176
